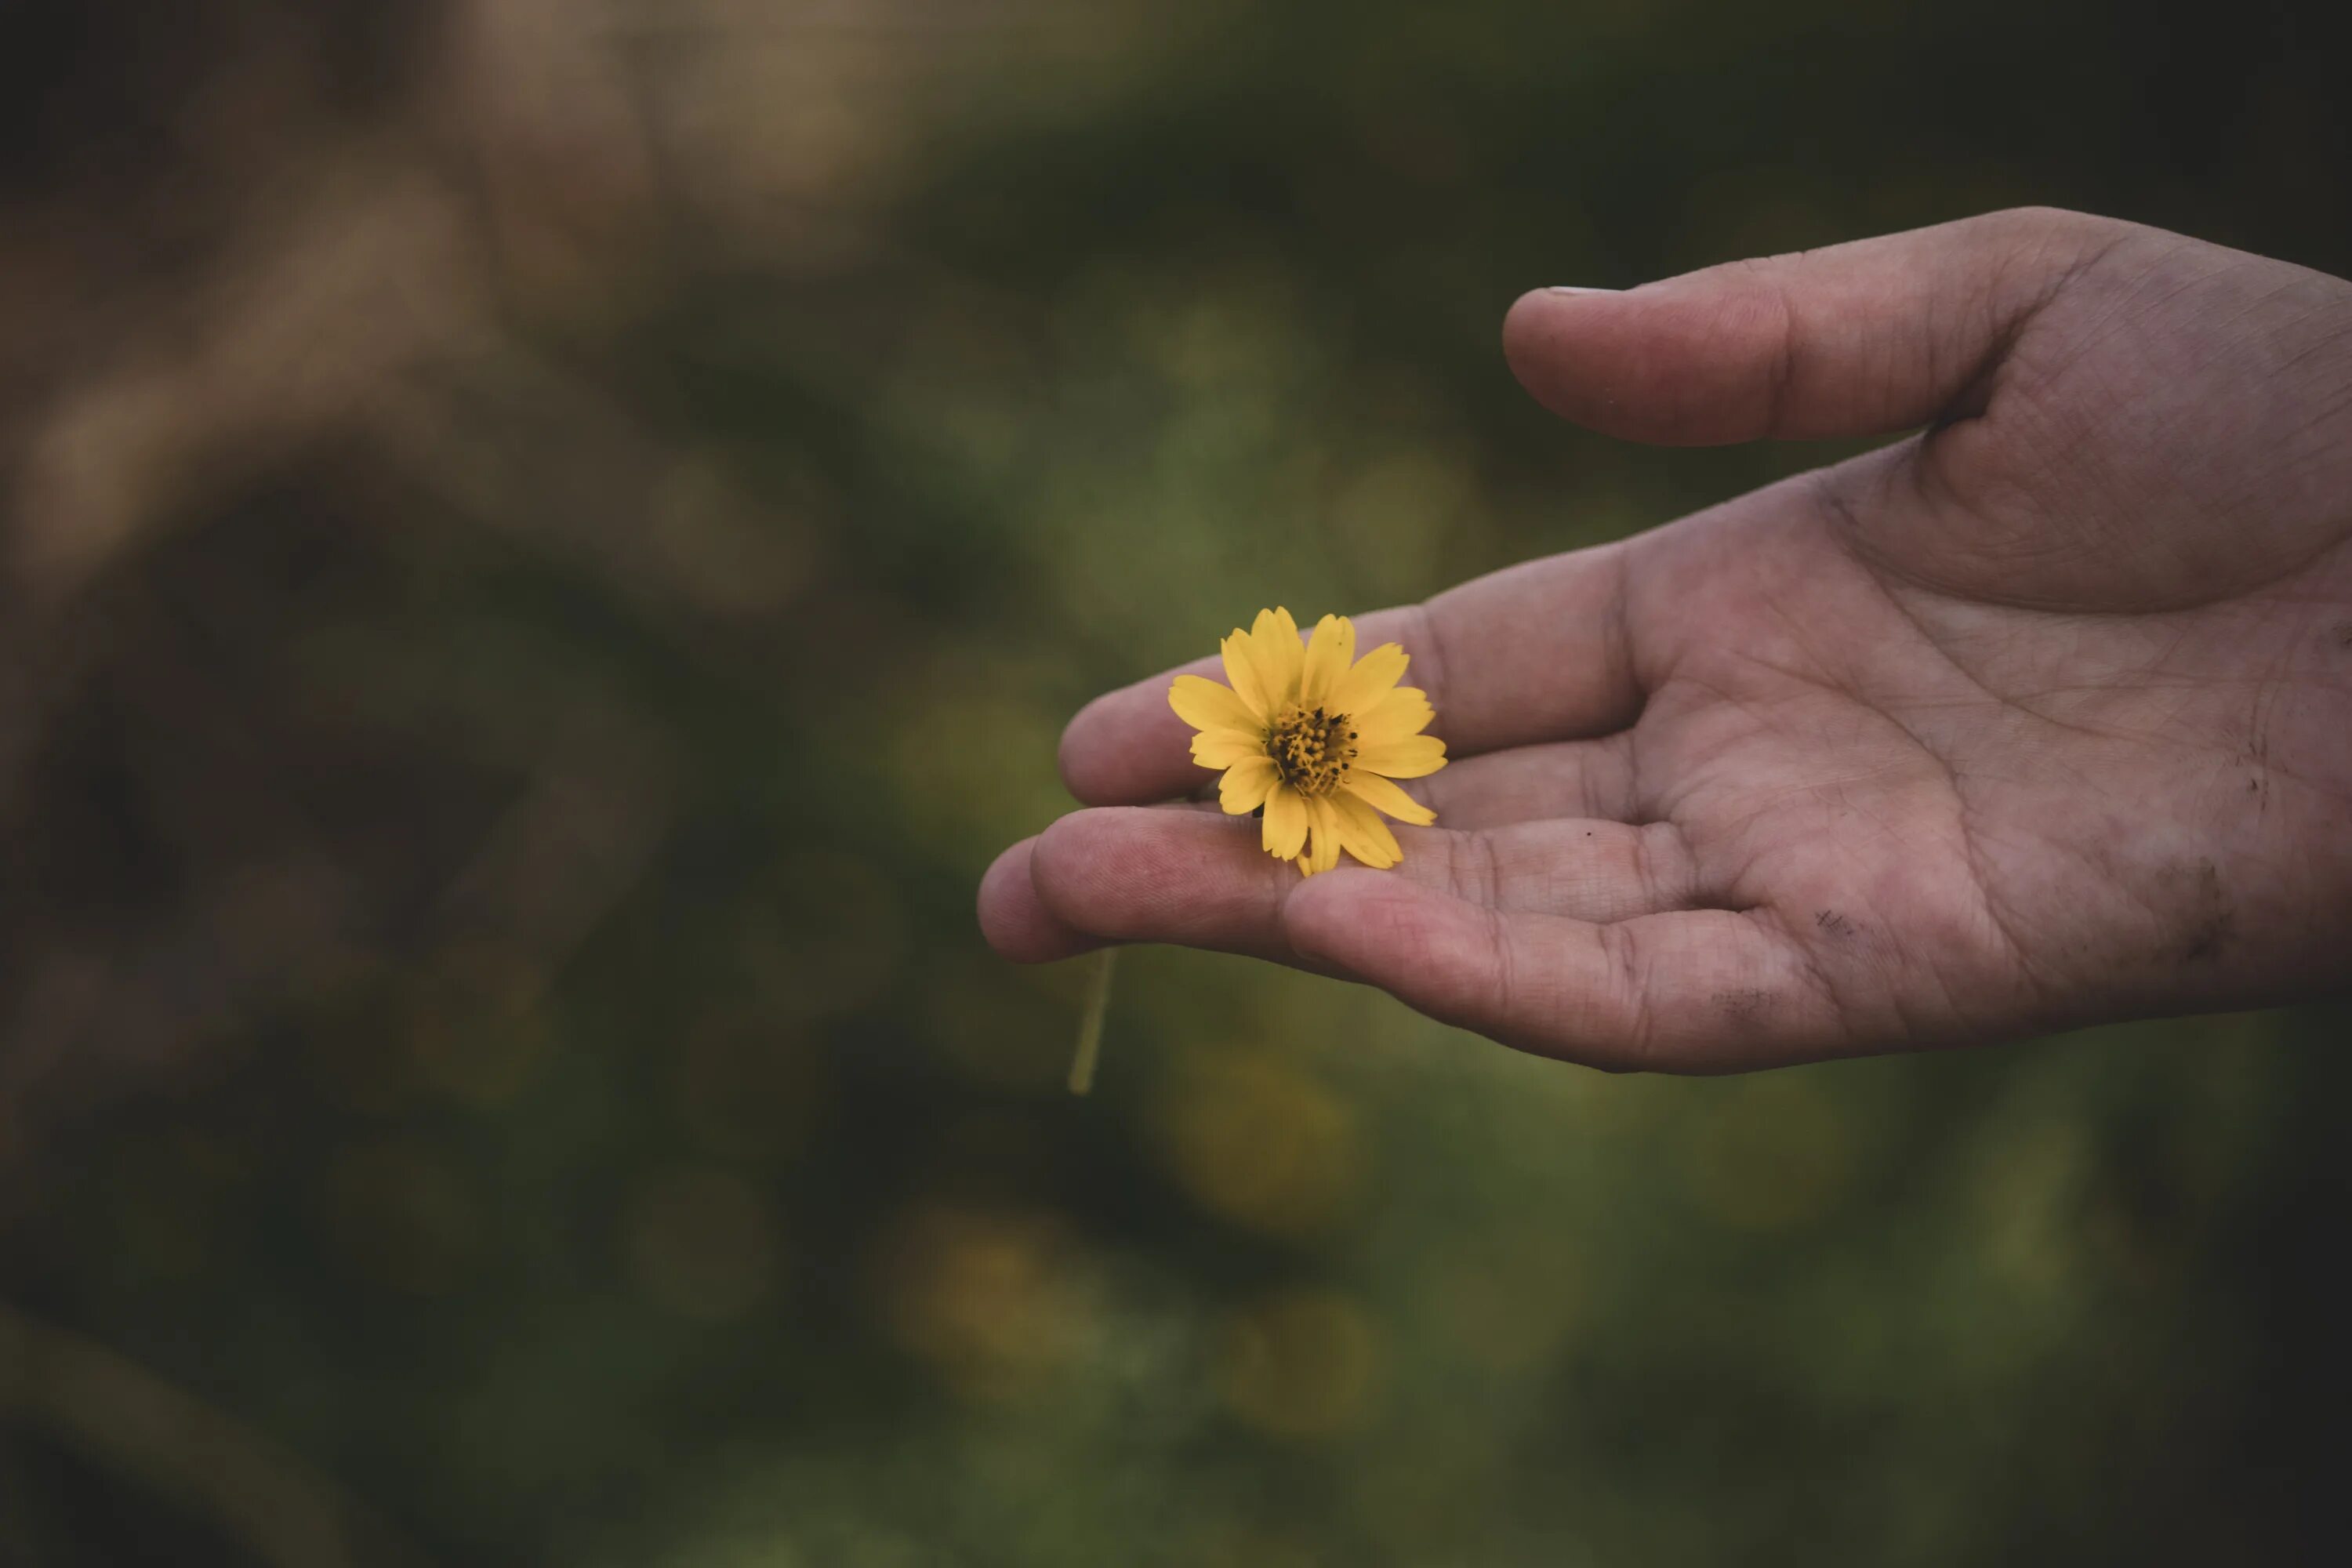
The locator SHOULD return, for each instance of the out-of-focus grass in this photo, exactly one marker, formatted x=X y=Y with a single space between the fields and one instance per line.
x=492 y=996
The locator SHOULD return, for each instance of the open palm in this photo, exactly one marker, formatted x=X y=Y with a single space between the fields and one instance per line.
x=2041 y=716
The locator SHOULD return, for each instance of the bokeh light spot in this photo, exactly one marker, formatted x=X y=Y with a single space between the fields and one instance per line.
x=989 y=1298
x=1256 y=1140
x=1300 y=1363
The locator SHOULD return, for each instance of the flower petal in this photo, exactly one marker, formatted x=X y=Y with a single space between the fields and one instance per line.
x=1362 y=833
x=1373 y=677
x=1224 y=748
x=1274 y=643
x=1410 y=758
x=1379 y=793
x=1323 y=847
x=1285 y=830
x=1242 y=671
x=1405 y=710
x=1206 y=705
x=1329 y=652
x=1246 y=785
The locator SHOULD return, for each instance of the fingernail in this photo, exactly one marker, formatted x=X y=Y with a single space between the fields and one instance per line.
x=1573 y=289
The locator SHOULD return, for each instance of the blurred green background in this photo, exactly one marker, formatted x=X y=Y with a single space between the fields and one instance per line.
x=547 y=545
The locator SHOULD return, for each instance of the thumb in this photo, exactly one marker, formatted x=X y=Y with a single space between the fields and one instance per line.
x=1864 y=339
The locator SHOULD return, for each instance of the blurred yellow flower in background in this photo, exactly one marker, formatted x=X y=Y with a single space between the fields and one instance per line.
x=1315 y=737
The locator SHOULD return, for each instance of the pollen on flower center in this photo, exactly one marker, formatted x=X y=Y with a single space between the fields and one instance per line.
x=1311 y=749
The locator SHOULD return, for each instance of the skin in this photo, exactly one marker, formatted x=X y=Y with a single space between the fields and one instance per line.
x=2040 y=716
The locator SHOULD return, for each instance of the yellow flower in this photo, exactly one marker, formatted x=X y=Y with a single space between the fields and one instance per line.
x=1314 y=736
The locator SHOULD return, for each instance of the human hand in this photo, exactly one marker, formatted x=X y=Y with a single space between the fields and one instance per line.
x=2040 y=716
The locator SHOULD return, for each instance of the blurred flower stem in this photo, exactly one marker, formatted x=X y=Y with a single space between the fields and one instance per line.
x=1090 y=1023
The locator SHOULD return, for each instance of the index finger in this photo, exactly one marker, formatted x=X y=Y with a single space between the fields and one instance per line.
x=1534 y=652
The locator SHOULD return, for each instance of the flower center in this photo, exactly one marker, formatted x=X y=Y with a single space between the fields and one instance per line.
x=1311 y=749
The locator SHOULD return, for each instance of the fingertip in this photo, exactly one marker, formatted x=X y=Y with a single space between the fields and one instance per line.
x=1015 y=920
x=1128 y=748
x=1077 y=869
x=1863 y=339
x=1058 y=856
x=1666 y=363
x=1108 y=868
x=1541 y=311
x=1529 y=318
x=1563 y=347
x=1162 y=874
x=1076 y=759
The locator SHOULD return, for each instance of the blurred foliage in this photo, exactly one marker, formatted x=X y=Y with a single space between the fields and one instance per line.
x=548 y=544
